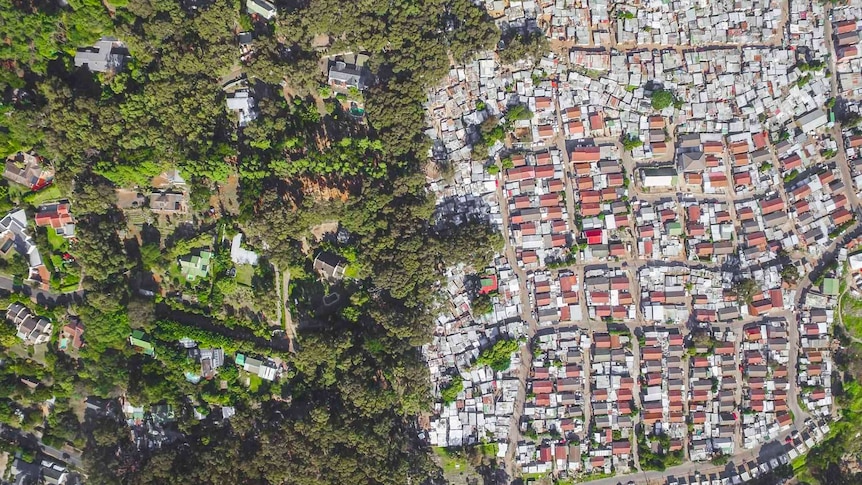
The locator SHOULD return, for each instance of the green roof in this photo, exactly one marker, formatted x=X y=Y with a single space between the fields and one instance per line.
x=240 y=359
x=830 y=286
x=137 y=340
x=195 y=267
x=674 y=229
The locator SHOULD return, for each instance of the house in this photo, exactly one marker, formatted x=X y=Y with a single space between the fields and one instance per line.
x=71 y=335
x=243 y=104
x=585 y=154
x=330 y=265
x=663 y=177
x=621 y=448
x=109 y=54
x=53 y=474
x=265 y=369
x=262 y=8
x=812 y=120
x=194 y=267
x=239 y=255
x=13 y=233
x=28 y=170
x=57 y=215
x=594 y=236
x=32 y=329
x=141 y=342
x=343 y=76
x=168 y=203
x=771 y=205
x=692 y=161
x=211 y=360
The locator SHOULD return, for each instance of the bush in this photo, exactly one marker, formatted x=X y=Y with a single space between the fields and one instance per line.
x=661 y=99
x=519 y=112
x=498 y=356
x=451 y=391
x=631 y=141
x=482 y=305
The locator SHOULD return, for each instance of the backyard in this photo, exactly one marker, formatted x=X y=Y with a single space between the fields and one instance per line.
x=851 y=315
x=65 y=273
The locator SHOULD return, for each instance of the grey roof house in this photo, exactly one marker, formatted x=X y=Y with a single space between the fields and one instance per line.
x=168 y=203
x=28 y=170
x=344 y=76
x=33 y=330
x=109 y=54
x=329 y=265
x=694 y=161
x=812 y=120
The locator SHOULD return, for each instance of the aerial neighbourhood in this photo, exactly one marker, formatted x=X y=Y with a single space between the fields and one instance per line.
x=428 y=242
x=678 y=188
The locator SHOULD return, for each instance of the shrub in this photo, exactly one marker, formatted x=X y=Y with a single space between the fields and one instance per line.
x=498 y=356
x=661 y=99
x=451 y=391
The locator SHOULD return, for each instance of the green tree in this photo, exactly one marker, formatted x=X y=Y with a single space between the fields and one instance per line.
x=661 y=99
x=746 y=289
x=451 y=391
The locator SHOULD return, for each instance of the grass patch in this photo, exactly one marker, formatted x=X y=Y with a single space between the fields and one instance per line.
x=57 y=242
x=489 y=449
x=451 y=460
x=244 y=274
x=596 y=476
x=851 y=314
x=52 y=192
x=533 y=476
x=352 y=271
x=254 y=382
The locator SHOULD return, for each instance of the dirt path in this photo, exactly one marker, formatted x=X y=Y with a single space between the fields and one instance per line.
x=284 y=294
x=279 y=306
x=283 y=307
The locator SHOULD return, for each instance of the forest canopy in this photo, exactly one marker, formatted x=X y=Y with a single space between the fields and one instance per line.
x=345 y=412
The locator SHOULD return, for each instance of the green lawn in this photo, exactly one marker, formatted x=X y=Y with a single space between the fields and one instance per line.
x=254 y=382
x=851 y=314
x=57 y=242
x=244 y=274
x=452 y=461
x=52 y=192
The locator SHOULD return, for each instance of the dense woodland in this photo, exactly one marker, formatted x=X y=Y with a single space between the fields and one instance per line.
x=346 y=413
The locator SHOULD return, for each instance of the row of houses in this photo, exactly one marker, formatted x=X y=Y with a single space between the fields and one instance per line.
x=764 y=356
x=555 y=404
x=714 y=382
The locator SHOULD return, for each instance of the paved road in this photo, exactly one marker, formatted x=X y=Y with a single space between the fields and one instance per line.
x=42 y=297
x=71 y=457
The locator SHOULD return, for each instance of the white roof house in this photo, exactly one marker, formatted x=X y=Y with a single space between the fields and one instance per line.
x=243 y=104
x=659 y=177
x=239 y=255
x=812 y=120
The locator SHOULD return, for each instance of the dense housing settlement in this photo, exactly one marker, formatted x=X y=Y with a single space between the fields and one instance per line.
x=668 y=179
